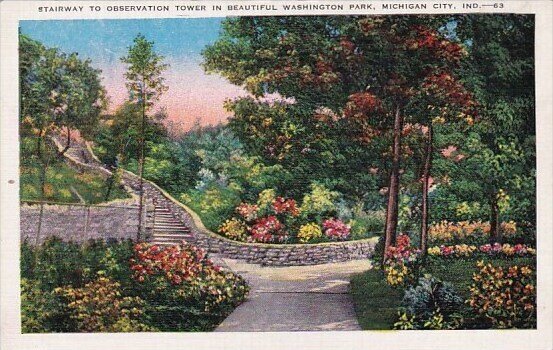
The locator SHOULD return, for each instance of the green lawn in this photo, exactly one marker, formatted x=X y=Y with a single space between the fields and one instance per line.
x=376 y=302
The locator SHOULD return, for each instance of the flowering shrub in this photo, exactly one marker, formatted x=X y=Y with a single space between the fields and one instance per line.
x=464 y=250
x=400 y=262
x=122 y=287
x=184 y=288
x=247 y=211
x=268 y=229
x=446 y=231
x=258 y=222
x=335 y=229
x=504 y=297
x=100 y=307
x=285 y=206
x=309 y=232
x=234 y=229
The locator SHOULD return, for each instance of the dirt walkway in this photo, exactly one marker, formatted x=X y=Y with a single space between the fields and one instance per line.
x=298 y=298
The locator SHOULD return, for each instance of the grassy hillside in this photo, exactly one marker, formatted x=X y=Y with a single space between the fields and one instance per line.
x=62 y=182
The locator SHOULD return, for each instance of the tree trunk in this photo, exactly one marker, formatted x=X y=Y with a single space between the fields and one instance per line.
x=42 y=179
x=141 y=164
x=495 y=235
x=111 y=181
x=393 y=189
x=425 y=187
x=67 y=144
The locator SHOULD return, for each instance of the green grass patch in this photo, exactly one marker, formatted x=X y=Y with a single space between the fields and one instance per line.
x=60 y=180
x=375 y=301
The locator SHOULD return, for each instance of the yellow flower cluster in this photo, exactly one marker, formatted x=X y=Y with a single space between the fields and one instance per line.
x=309 y=232
x=397 y=274
x=234 y=229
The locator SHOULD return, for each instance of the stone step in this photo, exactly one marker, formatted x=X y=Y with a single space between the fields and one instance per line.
x=171 y=228
x=170 y=221
x=171 y=235
x=166 y=244
x=169 y=224
x=170 y=231
x=164 y=216
x=174 y=240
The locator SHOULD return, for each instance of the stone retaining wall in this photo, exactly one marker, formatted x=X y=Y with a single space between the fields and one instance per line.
x=78 y=223
x=265 y=254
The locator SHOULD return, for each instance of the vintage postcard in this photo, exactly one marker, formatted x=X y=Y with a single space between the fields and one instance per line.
x=276 y=174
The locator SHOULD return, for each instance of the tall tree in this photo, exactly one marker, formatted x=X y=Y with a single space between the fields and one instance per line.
x=145 y=85
x=363 y=69
x=501 y=149
x=57 y=91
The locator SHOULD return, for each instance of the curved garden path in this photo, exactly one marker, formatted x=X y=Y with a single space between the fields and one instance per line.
x=293 y=298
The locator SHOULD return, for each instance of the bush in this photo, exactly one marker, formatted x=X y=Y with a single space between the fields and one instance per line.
x=335 y=229
x=367 y=224
x=504 y=297
x=183 y=289
x=309 y=232
x=99 y=307
x=319 y=203
x=467 y=231
x=431 y=303
x=214 y=204
x=401 y=262
x=234 y=229
x=42 y=311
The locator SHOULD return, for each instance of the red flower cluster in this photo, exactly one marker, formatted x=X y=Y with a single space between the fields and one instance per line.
x=402 y=251
x=179 y=264
x=268 y=229
x=247 y=211
x=336 y=229
x=282 y=205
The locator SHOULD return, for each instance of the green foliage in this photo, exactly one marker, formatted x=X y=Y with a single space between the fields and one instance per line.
x=367 y=224
x=319 y=203
x=214 y=204
x=42 y=311
x=98 y=306
x=432 y=303
x=118 y=138
x=377 y=303
x=58 y=90
x=144 y=73
x=94 y=287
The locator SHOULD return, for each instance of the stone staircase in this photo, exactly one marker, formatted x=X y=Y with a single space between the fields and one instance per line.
x=168 y=230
